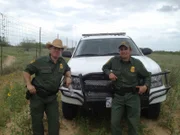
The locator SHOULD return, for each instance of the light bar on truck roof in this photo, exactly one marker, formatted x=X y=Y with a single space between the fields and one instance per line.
x=103 y=34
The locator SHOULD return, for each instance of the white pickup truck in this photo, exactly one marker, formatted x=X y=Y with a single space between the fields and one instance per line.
x=90 y=86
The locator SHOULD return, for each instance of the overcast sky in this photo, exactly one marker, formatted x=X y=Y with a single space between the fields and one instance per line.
x=150 y=23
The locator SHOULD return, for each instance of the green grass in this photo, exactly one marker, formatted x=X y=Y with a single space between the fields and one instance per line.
x=171 y=105
x=98 y=124
x=22 y=58
x=12 y=99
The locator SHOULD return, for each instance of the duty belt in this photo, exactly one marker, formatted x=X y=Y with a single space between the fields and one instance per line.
x=123 y=90
x=41 y=92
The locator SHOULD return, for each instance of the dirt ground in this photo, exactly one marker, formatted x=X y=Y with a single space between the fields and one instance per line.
x=154 y=127
x=68 y=127
x=9 y=61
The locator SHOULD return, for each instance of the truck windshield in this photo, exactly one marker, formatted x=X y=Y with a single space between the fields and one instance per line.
x=103 y=47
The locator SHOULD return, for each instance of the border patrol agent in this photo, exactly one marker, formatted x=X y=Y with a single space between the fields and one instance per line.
x=125 y=73
x=43 y=88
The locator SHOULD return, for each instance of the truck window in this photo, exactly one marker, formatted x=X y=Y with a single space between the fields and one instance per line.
x=103 y=47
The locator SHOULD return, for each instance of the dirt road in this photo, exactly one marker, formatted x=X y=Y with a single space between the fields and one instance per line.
x=8 y=61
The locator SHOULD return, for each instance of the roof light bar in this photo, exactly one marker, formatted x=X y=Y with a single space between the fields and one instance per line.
x=102 y=34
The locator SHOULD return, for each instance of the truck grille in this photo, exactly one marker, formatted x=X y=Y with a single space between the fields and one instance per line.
x=97 y=83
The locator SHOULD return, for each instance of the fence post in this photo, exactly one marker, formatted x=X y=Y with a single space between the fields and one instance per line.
x=72 y=43
x=1 y=42
x=36 y=49
x=40 y=41
x=67 y=42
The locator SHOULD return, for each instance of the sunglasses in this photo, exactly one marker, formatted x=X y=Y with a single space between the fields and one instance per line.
x=55 y=48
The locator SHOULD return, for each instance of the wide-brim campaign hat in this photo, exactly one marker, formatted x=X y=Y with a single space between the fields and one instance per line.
x=56 y=43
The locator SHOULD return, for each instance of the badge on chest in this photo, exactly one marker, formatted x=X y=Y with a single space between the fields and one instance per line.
x=61 y=66
x=132 y=69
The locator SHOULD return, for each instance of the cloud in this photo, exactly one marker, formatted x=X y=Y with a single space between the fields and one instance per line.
x=66 y=27
x=168 y=8
x=145 y=21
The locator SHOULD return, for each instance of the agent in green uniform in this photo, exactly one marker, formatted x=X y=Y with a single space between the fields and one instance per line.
x=43 y=88
x=125 y=73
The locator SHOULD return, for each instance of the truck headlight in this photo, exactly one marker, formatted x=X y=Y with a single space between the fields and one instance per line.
x=156 y=81
x=76 y=83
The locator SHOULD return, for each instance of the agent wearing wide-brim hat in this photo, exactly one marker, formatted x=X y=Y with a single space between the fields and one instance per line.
x=126 y=73
x=56 y=43
x=42 y=90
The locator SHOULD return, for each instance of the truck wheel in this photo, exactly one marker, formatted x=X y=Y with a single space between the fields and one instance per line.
x=153 y=111
x=69 y=110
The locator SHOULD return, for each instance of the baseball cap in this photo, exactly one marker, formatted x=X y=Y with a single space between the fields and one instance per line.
x=124 y=43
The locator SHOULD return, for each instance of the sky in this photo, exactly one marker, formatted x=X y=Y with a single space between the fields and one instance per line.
x=150 y=23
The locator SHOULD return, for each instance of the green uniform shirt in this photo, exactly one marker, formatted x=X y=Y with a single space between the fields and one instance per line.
x=47 y=73
x=128 y=73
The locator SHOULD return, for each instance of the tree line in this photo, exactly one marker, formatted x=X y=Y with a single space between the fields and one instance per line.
x=26 y=44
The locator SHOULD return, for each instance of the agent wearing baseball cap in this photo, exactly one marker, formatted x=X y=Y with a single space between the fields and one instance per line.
x=125 y=73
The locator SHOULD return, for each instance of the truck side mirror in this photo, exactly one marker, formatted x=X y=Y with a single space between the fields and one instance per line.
x=146 y=51
x=67 y=54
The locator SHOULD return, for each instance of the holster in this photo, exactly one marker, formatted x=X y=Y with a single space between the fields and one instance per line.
x=28 y=95
x=42 y=92
x=113 y=90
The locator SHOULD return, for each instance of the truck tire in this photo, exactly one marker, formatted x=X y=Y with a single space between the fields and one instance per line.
x=153 y=111
x=69 y=110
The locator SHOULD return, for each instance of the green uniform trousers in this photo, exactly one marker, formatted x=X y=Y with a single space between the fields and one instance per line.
x=50 y=106
x=129 y=106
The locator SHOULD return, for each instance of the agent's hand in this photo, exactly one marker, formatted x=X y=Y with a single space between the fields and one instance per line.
x=68 y=81
x=142 y=89
x=112 y=77
x=31 y=89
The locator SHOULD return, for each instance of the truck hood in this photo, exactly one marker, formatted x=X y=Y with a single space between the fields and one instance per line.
x=85 y=65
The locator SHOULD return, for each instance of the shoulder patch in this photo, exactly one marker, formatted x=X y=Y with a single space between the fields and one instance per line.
x=108 y=61
x=32 y=61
